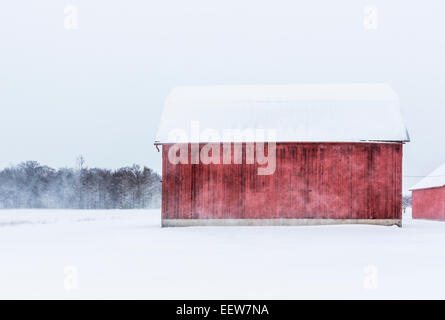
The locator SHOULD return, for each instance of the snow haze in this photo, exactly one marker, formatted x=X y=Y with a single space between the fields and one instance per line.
x=97 y=89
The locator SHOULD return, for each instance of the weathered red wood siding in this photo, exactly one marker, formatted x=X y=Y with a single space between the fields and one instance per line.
x=429 y=203
x=312 y=180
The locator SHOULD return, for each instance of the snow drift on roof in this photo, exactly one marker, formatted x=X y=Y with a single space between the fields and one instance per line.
x=434 y=180
x=297 y=113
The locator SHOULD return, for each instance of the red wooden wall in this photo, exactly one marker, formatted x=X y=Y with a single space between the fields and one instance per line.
x=429 y=203
x=312 y=180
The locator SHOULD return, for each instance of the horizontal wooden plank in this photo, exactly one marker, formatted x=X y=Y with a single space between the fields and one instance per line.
x=275 y=222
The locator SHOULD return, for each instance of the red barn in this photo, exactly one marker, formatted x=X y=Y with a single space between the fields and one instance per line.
x=429 y=196
x=282 y=155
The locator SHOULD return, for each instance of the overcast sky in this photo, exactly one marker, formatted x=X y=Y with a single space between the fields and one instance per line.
x=98 y=90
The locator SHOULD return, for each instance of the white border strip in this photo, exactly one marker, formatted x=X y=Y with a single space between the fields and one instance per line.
x=275 y=222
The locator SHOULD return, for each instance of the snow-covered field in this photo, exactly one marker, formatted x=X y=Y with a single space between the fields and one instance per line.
x=126 y=254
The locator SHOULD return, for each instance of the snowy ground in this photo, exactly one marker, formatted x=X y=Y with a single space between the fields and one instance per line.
x=125 y=254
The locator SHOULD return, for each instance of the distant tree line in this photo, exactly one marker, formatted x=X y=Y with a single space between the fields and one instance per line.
x=31 y=185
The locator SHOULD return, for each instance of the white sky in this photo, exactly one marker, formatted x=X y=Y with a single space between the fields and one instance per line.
x=98 y=90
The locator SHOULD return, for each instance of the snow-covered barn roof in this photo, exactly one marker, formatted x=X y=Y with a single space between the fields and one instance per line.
x=296 y=112
x=435 y=179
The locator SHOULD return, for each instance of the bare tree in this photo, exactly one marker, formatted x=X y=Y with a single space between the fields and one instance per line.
x=406 y=202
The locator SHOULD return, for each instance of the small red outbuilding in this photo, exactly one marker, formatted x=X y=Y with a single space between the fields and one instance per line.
x=429 y=196
x=282 y=155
